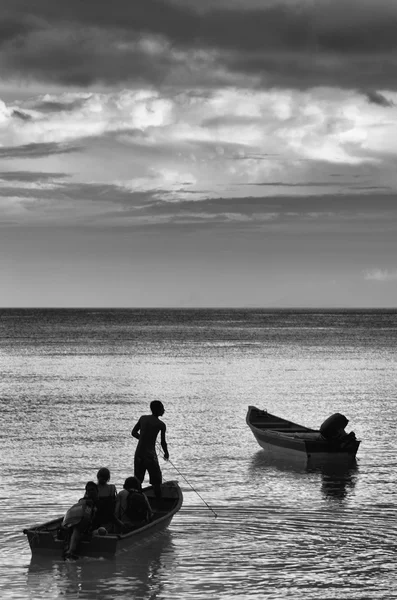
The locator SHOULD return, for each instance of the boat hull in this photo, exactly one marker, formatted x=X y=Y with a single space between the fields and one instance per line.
x=288 y=440
x=44 y=540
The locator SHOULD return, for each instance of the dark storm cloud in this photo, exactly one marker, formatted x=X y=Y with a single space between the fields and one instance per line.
x=151 y=16
x=379 y=99
x=38 y=150
x=50 y=106
x=322 y=203
x=92 y=192
x=111 y=204
x=14 y=24
x=30 y=176
x=337 y=25
x=261 y=207
x=347 y=44
x=102 y=192
x=83 y=57
x=253 y=214
x=323 y=184
x=20 y=114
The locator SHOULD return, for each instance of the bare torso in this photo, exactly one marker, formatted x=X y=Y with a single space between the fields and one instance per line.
x=148 y=426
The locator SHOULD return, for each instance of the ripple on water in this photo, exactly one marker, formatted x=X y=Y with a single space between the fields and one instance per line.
x=71 y=394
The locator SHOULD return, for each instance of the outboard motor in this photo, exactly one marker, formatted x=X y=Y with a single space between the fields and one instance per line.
x=334 y=427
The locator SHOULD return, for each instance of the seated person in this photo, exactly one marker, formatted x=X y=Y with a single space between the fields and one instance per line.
x=80 y=519
x=106 y=499
x=132 y=506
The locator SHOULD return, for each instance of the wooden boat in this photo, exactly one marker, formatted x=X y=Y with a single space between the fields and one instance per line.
x=285 y=439
x=47 y=539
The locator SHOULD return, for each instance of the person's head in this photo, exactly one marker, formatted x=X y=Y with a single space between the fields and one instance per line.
x=132 y=483
x=157 y=408
x=103 y=475
x=91 y=490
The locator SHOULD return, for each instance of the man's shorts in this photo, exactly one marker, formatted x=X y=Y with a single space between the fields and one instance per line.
x=151 y=465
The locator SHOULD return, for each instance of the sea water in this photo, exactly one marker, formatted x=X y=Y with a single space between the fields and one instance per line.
x=74 y=382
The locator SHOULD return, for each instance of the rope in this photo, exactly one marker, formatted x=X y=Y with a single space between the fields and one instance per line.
x=188 y=482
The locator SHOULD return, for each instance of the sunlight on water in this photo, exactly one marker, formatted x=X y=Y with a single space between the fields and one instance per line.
x=73 y=387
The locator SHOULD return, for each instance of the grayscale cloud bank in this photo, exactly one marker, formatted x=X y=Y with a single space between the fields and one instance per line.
x=286 y=44
x=248 y=138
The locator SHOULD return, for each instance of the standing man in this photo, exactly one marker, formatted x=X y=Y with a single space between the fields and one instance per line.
x=146 y=431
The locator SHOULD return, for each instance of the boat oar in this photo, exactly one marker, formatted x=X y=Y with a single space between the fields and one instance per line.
x=188 y=482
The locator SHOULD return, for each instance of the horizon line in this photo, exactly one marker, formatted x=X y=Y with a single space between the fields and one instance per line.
x=198 y=308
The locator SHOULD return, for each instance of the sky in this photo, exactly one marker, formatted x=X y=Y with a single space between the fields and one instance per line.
x=175 y=153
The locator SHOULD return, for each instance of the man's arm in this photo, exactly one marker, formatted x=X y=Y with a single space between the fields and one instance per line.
x=136 y=429
x=164 y=442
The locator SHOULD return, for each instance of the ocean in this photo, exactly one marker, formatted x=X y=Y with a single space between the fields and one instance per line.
x=73 y=384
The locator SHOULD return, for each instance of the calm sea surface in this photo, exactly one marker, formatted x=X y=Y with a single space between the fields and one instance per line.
x=73 y=383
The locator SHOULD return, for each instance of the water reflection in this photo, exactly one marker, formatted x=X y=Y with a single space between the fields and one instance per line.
x=139 y=573
x=261 y=462
x=337 y=480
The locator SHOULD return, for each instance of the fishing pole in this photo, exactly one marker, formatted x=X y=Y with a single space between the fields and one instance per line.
x=188 y=482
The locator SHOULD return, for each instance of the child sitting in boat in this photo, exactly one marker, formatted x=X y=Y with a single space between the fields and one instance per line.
x=80 y=518
x=132 y=506
x=106 y=499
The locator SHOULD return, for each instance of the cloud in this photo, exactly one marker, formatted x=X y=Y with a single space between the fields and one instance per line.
x=378 y=98
x=63 y=103
x=45 y=201
x=303 y=184
x=232 y=142
x=21 y=115
x=343 y=43
x=380 y=275
x=85 y=115
x=336 y=24
x=55 y=190
x=37 y=150
x=272 y=142
x=236 y=124
x=29 y=176
x=318 y=215
x=161 y=200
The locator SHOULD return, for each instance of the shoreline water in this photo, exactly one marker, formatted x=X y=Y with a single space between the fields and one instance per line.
x=71 y=389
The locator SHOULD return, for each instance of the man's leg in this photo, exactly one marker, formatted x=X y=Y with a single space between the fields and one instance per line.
x=139 y=468
x=154 y=470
